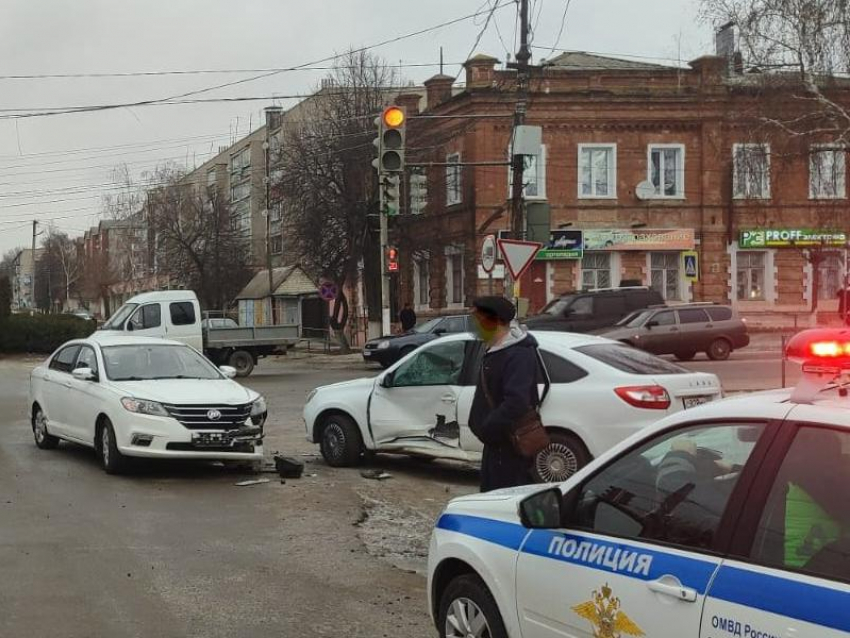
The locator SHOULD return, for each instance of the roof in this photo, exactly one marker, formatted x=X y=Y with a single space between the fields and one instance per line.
x=164 y=295
x=289 y=281
x=582 y=61
x=118 y=340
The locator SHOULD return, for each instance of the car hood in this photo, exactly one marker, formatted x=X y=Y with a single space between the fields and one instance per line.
x=364 y=383
x=502 y=505
x=188 y=391
x=402 y=338
x=616 y=334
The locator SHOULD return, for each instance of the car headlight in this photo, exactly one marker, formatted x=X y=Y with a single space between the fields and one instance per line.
x=140 y=406
x=383 y=345
x=258 y=407
x=312 y=395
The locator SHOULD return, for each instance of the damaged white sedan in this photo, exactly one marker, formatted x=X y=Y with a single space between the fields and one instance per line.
x=599 y=392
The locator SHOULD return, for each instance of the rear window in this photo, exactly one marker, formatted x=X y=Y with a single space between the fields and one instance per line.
x=720 y=314
x=560 y=370
x=627 y=359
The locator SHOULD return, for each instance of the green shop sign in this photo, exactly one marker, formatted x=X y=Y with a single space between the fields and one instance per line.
x=786 y=237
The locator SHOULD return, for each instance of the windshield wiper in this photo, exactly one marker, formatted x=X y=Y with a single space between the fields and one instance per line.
x=177 y=376
x=131 y=379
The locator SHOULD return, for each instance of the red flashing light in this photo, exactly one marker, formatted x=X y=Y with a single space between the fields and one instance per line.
x=392 y=259
x=820 y=345
x=649 y=397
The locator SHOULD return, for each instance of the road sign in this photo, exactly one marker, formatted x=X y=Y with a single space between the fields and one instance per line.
x=488 y=254
x=690 y=261
x=518 y=255
x=328 y=291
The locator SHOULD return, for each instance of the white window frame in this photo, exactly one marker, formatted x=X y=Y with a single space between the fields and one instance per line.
x=612 y=171
x=681 y=288
x=613 y=279
x=765 y=296
x=541 y=176
x=680 y=170
x=450 y=254
x=841 y=158
x=234 y=189
x=765 y=190
x=454 y=180
x=240 y=160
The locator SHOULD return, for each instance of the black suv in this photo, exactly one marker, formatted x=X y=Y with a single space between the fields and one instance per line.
x=387 y=350
x=594 y=309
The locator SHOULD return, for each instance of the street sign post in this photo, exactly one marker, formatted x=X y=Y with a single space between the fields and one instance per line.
x=488 y=260
x=328 y=291
x=518 y=255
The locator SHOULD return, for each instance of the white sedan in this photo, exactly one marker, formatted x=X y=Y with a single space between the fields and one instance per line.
x=601 y=392
x=142 y=397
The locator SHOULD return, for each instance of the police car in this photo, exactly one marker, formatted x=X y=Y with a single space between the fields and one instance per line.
x=729 y=520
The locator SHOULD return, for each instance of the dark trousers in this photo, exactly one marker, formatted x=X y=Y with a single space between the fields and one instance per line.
x=502 y=467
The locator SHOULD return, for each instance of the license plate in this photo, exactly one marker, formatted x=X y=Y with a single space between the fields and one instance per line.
x=692 y=402
x=211 y=439
x=367 y=353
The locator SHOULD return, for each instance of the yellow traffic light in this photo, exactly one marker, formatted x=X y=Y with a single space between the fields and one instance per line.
x=393 y=117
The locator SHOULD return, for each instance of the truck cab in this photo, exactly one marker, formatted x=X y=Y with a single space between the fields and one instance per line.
x=167 y=314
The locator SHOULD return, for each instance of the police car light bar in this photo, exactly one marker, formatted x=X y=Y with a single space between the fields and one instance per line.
x=824 y=354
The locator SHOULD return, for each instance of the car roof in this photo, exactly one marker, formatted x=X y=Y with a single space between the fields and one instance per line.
x=547 y=338
x=164 y=295
x=119 y=340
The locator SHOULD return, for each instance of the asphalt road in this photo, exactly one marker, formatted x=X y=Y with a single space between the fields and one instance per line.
x=177 y=550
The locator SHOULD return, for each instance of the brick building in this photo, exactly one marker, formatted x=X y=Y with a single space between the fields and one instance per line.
x=640 y=163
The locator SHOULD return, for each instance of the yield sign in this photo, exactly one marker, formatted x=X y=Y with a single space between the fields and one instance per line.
x=518 y=255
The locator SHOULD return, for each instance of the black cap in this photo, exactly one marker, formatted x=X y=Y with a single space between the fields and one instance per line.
x=497 y=307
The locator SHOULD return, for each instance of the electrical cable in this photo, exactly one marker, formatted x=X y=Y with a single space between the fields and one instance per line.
x=563 y=26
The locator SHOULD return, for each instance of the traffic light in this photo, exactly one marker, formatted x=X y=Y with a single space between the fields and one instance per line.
x=392 y=126
x=391 y=194
x=392 y=259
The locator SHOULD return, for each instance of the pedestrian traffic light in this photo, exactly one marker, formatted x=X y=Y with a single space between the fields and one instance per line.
x=392 y=127
x=392 y=259
x=391 y=194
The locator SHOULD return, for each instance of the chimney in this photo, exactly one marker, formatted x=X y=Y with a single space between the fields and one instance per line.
x=726 y=46
x=409 y=102
x=480 y=71
x=273 y=116
x=439 y=90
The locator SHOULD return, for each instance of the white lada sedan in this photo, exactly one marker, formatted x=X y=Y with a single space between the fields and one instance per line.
x=142 y=397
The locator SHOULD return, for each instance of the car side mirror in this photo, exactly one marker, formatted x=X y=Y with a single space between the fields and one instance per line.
x=650 y=325
x=228 y=371
x=84 y=374
x=130 y=327
x=440 y=331
x=542 y=510
x=387 y=380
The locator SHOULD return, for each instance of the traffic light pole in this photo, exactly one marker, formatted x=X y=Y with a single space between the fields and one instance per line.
x=385 y=274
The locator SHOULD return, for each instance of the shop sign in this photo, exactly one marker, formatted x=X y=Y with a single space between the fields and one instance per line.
x=563 y=244
x=787 y=237
x=640 y=239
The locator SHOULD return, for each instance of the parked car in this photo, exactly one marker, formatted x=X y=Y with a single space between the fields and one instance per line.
x=593 y=309
x=176 y=314
x=387 y=350
x=143 y=397
x=684 y=330
x=82 y=313
x=601 y=392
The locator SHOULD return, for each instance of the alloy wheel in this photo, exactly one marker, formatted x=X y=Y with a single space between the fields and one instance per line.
x=466 y=620
x=40 y=427
x=104 y=445
x=556 y=463
x=334 y=440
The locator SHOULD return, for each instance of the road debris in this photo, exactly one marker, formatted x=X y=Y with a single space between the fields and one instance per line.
x=376 y=475
x=288 y=467
x=252 y=482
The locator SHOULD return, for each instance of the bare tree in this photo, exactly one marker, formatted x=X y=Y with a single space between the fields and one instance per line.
x=326 y=179
x=58 y=271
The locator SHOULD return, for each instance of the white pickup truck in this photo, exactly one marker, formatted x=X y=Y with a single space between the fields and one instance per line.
x=176 y=315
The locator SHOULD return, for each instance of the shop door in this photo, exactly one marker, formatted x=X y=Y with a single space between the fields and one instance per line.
x=533 y=287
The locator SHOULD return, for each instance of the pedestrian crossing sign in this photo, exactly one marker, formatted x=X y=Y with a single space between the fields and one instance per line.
x=690 y=261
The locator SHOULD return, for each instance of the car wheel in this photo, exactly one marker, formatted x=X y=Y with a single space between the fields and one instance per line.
x=686 y=356
x=719 y=350
x=564 y=456
x=243 y=362
x=340 y=441
x=468 y=610
x=43 y=439
x=111 y=459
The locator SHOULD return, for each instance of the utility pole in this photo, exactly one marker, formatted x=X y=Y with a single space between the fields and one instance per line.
x=271 y=112
x=523 y=57
x=385 y=275
x=34 y=262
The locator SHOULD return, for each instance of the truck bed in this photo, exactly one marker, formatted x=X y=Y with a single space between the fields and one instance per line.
x=242 y=337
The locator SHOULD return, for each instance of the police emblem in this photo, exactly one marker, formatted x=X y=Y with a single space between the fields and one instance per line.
x=604 y=613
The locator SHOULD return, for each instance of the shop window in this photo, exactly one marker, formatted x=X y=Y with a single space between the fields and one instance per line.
x=830 y=272
x=664 y=269
x=751 y=171
x=827 y=173
x=534 y=176
x=751 y=275
x=596 y=271
x=667 y=170
x=454 y=193
x=597 y=170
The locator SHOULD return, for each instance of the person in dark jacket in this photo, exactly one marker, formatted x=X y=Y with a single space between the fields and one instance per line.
x=509 y=370
x=407 y=317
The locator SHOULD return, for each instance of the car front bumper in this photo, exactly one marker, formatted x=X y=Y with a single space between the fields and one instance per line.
x=384 y=357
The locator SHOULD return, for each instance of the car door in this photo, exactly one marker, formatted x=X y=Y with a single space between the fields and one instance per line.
x=791 y=572
x=641 y=538
x=146 y=321
x=661 y=333
x=578 y=316
x=183 y=324
x=84 y=403
x=418 y=399
x=55 y=392
x=607 y=310
x=695 y=329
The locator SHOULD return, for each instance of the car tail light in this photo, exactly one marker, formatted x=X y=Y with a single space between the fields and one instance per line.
x=650 y=397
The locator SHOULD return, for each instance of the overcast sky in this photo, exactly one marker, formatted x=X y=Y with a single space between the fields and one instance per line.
x=58 y=168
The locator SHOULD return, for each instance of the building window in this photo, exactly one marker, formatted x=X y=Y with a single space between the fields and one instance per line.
x=667 y=170
x=664 y=273
x=277 y=244
x=596 y=271
x=240 y=192
x=533 y=176
x=241 y=160
x=597 y=170
x=827 y=173
x=211 y=177
x=418 y=192
x=830 y=272
x=454 y=279
x=454 y=194
x=751 y=171
x=421 y=283
x=751 y=275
